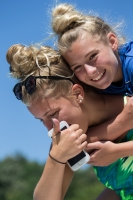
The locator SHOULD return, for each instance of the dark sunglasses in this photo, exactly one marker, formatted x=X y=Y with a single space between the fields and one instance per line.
x=30 y=84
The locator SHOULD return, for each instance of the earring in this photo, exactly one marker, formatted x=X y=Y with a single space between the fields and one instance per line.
x=81 y=100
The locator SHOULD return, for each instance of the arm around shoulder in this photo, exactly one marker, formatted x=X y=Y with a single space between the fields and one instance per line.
x=115 y=127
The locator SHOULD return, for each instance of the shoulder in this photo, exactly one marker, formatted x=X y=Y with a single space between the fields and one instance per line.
x=126 y=49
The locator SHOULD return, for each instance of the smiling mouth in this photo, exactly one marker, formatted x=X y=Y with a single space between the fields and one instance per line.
x=99 y=77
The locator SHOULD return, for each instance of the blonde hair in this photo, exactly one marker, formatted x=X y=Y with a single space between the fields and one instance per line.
x=68 y=23
x=43 y=61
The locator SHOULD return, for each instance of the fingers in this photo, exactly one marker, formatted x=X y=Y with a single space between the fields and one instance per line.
x=56 y=129
x=80 y=139
x=83 y=137
x=95 y=145
x=73 y=134
x=91 y=146
x=77 y=132
x=83 y=145
x=75 y=127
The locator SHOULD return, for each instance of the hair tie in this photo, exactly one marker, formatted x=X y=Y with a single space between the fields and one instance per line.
x=56 y=160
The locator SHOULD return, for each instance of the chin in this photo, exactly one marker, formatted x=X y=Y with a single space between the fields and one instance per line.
x=104 y=86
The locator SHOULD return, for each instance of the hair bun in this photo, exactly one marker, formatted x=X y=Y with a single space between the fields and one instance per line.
x=65 y=17
x=27 y=60
x=21 y=60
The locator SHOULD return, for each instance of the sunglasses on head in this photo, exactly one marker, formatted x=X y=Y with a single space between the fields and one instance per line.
x=30 y=84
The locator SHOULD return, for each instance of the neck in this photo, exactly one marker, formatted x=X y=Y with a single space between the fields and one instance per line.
x=94 y=106
x=99 y=108
x=119 y=75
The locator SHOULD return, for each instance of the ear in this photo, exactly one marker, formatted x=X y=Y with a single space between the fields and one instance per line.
x=113 y=41
x=78 y=91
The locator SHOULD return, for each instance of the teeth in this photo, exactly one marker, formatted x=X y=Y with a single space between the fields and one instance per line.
x=98 y=77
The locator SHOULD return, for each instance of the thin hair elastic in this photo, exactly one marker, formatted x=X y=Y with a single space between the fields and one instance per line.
x=47 y=65
x=56 y=160
x=64 y=76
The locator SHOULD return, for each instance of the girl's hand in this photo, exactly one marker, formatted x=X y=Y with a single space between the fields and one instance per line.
x=67 y=143
x=103 y=153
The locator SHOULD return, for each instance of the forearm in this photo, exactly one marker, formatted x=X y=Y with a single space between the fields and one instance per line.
x=124 y=149
x=54 y=181
x=114 y=128
x=109 y=130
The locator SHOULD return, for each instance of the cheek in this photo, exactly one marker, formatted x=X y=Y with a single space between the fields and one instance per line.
x=66 y=114
x=110 y=58
x=48 y=124
x=104 y=61
x=81 y=75
x=71 y=115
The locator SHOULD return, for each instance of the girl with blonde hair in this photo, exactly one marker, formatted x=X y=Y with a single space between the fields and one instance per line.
x=47 y=87
x=98 y=55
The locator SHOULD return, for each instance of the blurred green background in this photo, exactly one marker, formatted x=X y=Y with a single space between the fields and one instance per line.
x=19 y=176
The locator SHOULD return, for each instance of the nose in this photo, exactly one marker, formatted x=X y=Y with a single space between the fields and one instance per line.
x=48 y=124
x=90 y=70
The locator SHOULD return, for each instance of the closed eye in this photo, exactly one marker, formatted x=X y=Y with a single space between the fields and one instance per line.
x=93 y=56
x=53 y=114
x=77 y=68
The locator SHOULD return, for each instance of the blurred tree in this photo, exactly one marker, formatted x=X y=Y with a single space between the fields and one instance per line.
x=18 y=178
x=85 y=185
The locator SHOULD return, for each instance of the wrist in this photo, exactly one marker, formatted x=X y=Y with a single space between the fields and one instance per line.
x=56 y=159
x=122 y=121
x=57 y=156
x=115 y=129
x=122 y=150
